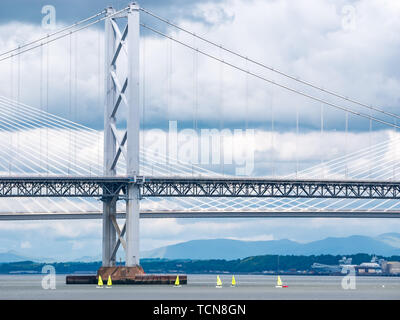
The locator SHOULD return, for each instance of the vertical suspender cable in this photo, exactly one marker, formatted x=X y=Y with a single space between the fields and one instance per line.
x=395 y=152
x=11 y=77
x=246 y=121
x=194 y=85
x=47 y=106
x=41 y=101
x=221 y=115
x=272 y=131
x=12 y=97
x=90 y=163
x=18 y=76
x=297 y=139
x=170 y=105
x=144 y=94
x=346 y=143
x=370 y=146
x=322 y=141
x=99 y=91
x=194 y=98
x=196 y=103
x=170 y=95
x=76 y=95
x=246 y=118
x=168 y=147
x=197 y=92
x=70 y=100
x=18 y=95
x=274 y=82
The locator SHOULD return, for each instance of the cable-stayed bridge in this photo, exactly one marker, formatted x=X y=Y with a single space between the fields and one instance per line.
x=112 y=175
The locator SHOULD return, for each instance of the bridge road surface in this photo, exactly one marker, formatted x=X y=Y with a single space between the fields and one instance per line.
x=202 y=287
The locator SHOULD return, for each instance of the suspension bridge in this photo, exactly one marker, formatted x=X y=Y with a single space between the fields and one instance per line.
x=85 y=167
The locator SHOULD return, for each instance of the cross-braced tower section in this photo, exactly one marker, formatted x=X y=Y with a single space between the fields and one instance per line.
x=121 y=94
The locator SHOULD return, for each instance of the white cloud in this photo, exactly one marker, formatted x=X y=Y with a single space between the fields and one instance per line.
x=25 y=245
x=69 y=229
x=54 y=241
x=331 y=155
x=74 y=92
x=304 y=40
x=261 y=237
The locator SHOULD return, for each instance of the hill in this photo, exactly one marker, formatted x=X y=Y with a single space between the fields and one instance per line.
x=237 y=249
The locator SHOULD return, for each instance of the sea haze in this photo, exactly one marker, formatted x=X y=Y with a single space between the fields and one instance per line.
x=387 y=244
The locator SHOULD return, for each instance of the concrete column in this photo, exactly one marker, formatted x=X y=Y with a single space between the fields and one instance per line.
x=132 y=227
x=109 y=234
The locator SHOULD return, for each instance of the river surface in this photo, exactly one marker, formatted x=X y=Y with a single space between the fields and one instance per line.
x=203 y=287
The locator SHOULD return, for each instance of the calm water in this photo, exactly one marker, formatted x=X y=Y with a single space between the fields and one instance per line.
x=203 y=287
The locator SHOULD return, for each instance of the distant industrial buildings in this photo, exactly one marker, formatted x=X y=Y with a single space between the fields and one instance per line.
x=391 y=267
x=375 y=267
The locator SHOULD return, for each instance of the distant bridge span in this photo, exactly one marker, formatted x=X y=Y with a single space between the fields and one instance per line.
x=204 y=214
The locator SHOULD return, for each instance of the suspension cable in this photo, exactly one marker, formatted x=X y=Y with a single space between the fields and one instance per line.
x=274 y=82
x=70 y=99
x=63 y=35
x=47 y=105
x=41 y=96
x=54 y=33
x=271 y=68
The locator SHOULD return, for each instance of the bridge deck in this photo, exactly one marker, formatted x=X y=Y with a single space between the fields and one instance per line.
x=79 y=186
x=205 y=214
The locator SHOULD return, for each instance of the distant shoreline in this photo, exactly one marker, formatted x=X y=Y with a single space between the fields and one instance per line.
x=256 y=265
x=222 y=273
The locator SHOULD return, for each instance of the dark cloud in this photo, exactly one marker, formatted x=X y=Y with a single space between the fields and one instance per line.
x=309 y=43
x=74 y=10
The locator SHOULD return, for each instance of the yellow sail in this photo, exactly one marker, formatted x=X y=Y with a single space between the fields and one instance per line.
x=177 y=281
x=109 y=282
x=100 y=282
x=219 y=282
x=233 y=281
x=279 y=282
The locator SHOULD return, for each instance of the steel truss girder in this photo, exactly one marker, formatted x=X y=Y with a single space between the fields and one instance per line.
x=231 y=187
x=195 y=187
x=60 y=187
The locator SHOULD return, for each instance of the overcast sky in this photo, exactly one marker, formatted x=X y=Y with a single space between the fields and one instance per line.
x=350 y=47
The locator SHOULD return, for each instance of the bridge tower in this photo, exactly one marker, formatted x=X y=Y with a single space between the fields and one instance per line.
x=121 y=94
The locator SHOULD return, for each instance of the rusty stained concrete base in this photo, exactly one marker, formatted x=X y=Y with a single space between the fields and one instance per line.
x=126 y=275
x=119 y=272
